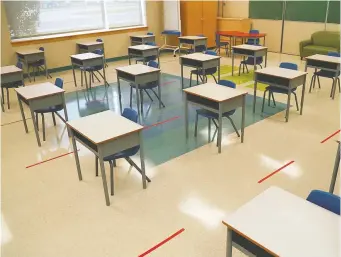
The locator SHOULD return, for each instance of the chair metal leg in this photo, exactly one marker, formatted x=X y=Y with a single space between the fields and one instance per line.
x=130 y=161
x=297 y=108
x=233 y=125
x=239 y=69
x=216 y=131
x=215 y=79
x=2 y=95
x=264 y=95
x=151 y=99
x=331 y=91
x=197 y=79
x=273 y=98
x=43 y=124
x=247 y=70
x=141 y=99
x=311 y=83
x=209 y=130
x=157 y=97
x=131 y=96
x=96 y=165
x=318 y=81
x=269 y=95
x=190 y=79
x=37 y=121
x=8 y=104
x=54 y=119
x=196 y=124
x=111 y=178
x=243 y=68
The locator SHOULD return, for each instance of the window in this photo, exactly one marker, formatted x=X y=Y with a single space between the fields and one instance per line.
x=27 y=19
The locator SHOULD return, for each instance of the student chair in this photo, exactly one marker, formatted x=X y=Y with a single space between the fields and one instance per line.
x=200 y=73
x=274 y=89
x=325 y=74
x=250 y=61
x=212 y=116
x=39 y=66
x=325 y=200
x=197 y=49
x=144 y=88
x=220 y=44
x=149 y=58
x=15 y=84
x=92 y=69
x=53 y=110
x=253 y=41
x=126 y=154
x=105 y=61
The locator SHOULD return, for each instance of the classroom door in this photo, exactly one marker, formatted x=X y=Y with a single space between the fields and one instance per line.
x=191 y=18
x=209 y=24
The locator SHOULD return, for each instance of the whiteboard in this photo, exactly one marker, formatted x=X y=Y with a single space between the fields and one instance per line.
x=171 y=15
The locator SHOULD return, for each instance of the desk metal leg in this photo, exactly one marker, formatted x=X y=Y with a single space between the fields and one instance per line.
x=74 y=75
x=334 y=86
x=75 y=153
x=303 y=94
x=129 y=59
x=143 y=170
x=335 y=170
x=220 y=128
x=138 y=102
x=288 y=105
x=264 y=41
x=254 y=64
x=28 y=71
x=104 y=76
x=35 y=126
x=119 y=92
x=243 y=119
x=104 y=178
x=22 y=114
x=182 y=75
x=232 y=62
x=266 y=56
x=159 y=91
x=86 y=80
x=219 y=71
x=186 y=116
x=229 y=243
x=254 y=96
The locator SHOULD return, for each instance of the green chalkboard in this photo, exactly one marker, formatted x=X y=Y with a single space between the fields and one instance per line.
x=310 y=11
x=267 y=10
x=334 y=12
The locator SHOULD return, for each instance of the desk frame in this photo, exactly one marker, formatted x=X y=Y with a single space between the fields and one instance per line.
x=10 y=77
x=141 y=39
x=192 y=42
x=31 y=57
x=143 y=54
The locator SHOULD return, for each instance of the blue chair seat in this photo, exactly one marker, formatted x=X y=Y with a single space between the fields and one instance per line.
x=274 y=89
x=325 y=73
x=213 y=115
x=50 y=109
x=123 y=154
x=325 y=200
x=91 y=68
x=207 y=71
x=250 y=61
x=37 y=63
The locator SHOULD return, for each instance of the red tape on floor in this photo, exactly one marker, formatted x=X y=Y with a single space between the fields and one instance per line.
x=161 y=122
x=162 y=243
x=326 y=139
x=167 y=82
x=59 y=156
x=276 y=171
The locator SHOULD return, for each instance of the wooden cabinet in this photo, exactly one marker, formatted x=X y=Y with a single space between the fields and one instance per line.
x=199 y=17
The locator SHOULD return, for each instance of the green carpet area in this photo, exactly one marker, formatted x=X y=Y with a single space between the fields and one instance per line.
x=225 y=70
x=245 y=78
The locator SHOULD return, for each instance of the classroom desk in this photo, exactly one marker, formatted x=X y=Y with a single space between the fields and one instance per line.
x=87 y=60
x=325 y=62
x=138 y=74
x=216 y=98
x=199 y=61
x=250 y=51
x=141 y=39
x=232 y=35
x=88 y=47
x=40 y=96
x=143 y=51
x=278 y=223
x=29 y=56
x=336 y=169
x=193 y=41
x=111 y=134
x=282 y=78
x=10 y=74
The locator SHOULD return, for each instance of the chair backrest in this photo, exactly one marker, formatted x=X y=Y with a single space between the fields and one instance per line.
x=153 y=64
x=150 y=33
x=254 y=31
x=99 y=40
x=130 y=114
x=42 y=48
x=325 y=200
x=288 y=65
x=151 y=43
x=227 y=83
x=59 y=82
x=335 y=54
x=98 y=51
x=19 y=65
x=252 y=41
x=210 y=52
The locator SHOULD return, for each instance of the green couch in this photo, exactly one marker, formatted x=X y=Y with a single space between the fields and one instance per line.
x=321 y=42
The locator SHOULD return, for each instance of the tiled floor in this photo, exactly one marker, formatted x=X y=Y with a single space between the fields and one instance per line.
x=46 y=211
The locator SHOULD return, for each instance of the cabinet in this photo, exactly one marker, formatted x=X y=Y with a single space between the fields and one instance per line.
x=199 y=17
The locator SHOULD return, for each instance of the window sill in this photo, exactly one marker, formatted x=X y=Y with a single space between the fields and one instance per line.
x=74 y=35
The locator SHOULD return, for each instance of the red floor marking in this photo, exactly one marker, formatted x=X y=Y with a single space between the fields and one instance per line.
x=324 y=140
x=50 y=159
x=168 y=82
x=273 y=173
x=9 y=123
x=161 y=122
x=162 y=242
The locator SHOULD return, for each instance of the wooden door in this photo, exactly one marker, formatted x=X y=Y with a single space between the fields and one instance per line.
x=191 y=18
x=210 y=11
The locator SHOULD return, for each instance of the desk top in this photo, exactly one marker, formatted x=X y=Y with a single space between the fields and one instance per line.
x=241 y=34
x=29 y=51
x=143 y=47
x=324 y=58
x=286 y=225
x=137 y=69
x=281 y=72
x=90 y=43
x=192 y=37
x=200 y=57
x=39 y=90
x=104 y=126
x=250 y=47
x=9 y=69
x=86 y=56
x=143 y=36
x=215 y=92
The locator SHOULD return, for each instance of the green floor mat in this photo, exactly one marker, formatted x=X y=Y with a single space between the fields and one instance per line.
x=225 y=70
x=245 y=78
